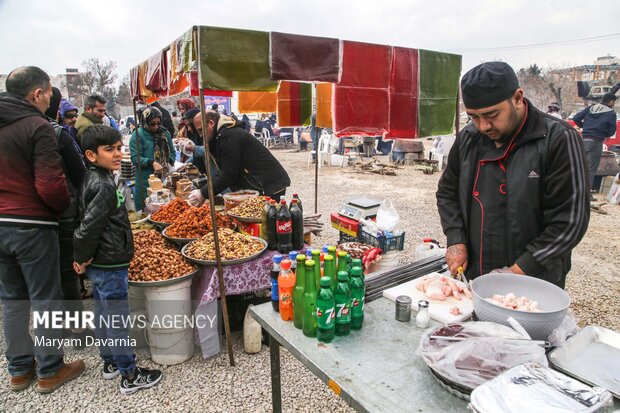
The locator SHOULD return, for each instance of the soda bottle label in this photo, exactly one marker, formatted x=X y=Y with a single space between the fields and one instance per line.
x=284 y=227
x=274 y=290
x=326 y=317
x=343 y=313
x=357 y=306
x=286 y=298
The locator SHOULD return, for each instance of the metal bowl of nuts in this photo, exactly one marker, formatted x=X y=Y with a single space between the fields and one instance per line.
x=162 y=283
x=180 y=241
x=250 y=210
x=235 y=248
x=158 y=224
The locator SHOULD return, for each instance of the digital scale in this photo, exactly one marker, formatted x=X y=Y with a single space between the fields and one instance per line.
x=360 y=207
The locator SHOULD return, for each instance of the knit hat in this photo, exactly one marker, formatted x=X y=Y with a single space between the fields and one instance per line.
x=488 y=84
x=191 y=113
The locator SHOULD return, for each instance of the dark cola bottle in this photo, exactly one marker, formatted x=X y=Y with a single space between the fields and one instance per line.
x=284 y=229
x=298 y=226
x=272 y=215
x=296 y=197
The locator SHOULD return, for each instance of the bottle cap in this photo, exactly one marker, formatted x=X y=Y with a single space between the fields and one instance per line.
x=328 y=258
x=277 y=258
x=325 y=248
x=294 y=201
x=422 y=304
x=272 y=202
x=357 y=271
x=286 y=265
x=292 y=255
x=343 y=276
x=326 y=282
x=282 y=202
x=309 y=253
x=267 y=199
x=316 y=252
x=342 y=254
x=295 y=195
x=331 y=248
x=309 y=263
x=356 y=262
x=301 y=257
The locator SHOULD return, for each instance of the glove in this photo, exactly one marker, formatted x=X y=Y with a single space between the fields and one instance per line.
x=195 y=198
x=504 y=270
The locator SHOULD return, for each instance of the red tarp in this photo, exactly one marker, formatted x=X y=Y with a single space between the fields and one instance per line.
x=361 y=99
x=305 y=58
x=404 y=94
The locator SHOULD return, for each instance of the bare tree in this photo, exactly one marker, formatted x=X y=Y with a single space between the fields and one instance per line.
x=99 y=78
x=123 y=96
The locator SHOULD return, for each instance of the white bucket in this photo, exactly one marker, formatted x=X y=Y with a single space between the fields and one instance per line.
x=428 y=249
x=136 y=332
x=136 y=298
x=169 y=300
x=170 y=346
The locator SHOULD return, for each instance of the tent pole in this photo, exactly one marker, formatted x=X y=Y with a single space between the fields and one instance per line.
x=216 y=241
x=138 y=178
x=316 y=154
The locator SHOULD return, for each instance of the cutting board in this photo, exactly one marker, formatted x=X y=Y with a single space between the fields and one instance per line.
x=438 y=310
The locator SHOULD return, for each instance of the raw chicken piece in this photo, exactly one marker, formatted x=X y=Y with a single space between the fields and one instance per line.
x=455 y=311
x=513 y=302
x=440 y=288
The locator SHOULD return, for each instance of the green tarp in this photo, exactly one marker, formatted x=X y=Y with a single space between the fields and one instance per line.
x=439 y=80
x=233 y=59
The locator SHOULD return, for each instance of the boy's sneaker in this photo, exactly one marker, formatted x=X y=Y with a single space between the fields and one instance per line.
x=110 y=371
x=142 y=379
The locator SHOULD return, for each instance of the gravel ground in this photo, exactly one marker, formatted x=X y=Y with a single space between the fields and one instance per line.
x=212 y=386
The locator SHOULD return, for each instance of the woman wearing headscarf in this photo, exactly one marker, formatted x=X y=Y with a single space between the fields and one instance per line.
x=156 y=151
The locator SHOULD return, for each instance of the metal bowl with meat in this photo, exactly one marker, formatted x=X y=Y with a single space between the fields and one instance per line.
x=548 y=312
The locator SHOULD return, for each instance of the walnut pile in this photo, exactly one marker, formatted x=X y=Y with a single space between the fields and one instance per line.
x=169 y=212
x=233 y=245
x=155 y=259
x=250 y=208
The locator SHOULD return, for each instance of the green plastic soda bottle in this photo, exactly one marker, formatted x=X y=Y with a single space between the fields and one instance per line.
x=316 y=257
x=309 y=322
x=325 y=312
x=343 y=304
x=331 y=250
x=342 y=261
x=330 y=270
x=356 y=262
x=298 y=292
x=357 y=298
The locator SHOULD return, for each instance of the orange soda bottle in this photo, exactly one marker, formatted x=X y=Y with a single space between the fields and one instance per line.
x=286 y=285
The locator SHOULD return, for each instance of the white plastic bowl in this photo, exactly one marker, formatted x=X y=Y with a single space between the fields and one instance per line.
x=553 y=302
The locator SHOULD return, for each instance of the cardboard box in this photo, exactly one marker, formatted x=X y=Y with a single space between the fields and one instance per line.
x=161 y=191
x=344 y=224
x=253 y=229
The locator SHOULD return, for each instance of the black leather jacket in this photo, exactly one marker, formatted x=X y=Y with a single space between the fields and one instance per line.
x=104 y=233
x=547 y=202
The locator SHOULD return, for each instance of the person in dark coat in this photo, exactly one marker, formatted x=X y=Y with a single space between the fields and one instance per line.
x=514 y=195
x=243 y=161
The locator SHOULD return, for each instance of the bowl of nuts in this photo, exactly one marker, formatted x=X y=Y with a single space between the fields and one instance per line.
x=180 y=241
x=250 y=210
x=235 y=248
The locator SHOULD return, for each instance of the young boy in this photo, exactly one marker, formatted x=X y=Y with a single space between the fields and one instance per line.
x=103 y=248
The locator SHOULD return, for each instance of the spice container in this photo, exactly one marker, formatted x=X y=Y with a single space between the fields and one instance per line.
x=422 y=319
x=403 y=308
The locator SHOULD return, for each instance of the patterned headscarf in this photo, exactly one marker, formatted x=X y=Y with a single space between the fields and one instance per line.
x=161 y=150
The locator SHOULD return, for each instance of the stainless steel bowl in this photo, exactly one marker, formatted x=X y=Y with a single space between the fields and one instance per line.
x=552 y=301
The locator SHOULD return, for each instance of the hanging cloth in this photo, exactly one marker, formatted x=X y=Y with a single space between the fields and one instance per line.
x=294 y=105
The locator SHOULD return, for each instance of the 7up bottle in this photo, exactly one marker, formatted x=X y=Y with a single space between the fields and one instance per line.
x=357 y=298
x=325 y=311
x=308 y=302
x=343 y=304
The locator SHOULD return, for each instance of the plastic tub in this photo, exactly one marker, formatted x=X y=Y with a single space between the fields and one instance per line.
x=232 y=199
x=170 y=346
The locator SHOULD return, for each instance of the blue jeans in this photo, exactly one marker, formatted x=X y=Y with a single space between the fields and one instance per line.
x=29 y=277
x=110 y=294
x=594 y=150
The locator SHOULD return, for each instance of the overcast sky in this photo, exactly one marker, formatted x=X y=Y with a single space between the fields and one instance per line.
x=56 y=34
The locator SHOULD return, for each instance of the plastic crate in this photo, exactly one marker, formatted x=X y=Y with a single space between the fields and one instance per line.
x=346 y=238
x=394 y=243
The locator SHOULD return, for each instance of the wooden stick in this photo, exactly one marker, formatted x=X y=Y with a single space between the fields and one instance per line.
x=218 y=257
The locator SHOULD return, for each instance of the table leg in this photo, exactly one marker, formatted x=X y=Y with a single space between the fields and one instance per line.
x=276 y=389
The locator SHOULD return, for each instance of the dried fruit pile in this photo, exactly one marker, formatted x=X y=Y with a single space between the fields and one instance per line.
x=250 y=208
x=196 y=222
x=155 y=259
x=169 y=212
x=232 y=246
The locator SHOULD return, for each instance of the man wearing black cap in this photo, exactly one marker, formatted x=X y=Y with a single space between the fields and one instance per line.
x=514 y=196
x=192 y=133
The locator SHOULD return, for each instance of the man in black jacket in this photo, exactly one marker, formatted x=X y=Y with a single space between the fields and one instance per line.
x=243 y=161
x=514 y=196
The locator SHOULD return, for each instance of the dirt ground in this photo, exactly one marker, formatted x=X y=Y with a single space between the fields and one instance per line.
x=592 y=283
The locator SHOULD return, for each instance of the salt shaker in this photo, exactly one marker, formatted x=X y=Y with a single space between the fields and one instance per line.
x=422 y=319
x=403 y=308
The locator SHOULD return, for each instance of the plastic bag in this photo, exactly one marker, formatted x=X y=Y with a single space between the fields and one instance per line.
x=534 y=388
x=387 y=217
x=490 y=349
x=567 y=328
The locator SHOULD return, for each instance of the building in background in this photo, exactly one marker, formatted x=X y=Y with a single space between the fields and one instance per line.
x=68 y=83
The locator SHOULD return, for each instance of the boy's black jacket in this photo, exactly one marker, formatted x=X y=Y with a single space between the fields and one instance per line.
x=104 y=233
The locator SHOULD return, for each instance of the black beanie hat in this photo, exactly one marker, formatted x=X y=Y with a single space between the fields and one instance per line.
x=488 y=84
x=190 y=114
